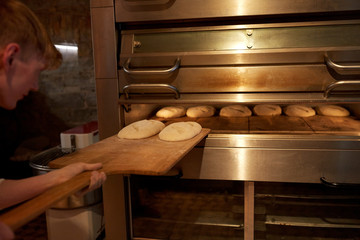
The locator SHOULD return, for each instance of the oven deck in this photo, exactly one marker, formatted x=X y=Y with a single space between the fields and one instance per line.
x=277 y=125
x=316 y=149
x=283 y=155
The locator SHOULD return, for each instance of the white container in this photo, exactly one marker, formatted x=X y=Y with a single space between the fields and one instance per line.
x=84 y=222
x=75 y=224
x=80 y=136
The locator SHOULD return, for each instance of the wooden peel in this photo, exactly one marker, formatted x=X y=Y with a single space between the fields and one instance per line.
x=150 y=156
x=25 y=212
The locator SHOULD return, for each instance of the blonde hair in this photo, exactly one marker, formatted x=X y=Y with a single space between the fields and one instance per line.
x=18 y=24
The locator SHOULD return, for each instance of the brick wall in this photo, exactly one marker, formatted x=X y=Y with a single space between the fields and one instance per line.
x=70 y=90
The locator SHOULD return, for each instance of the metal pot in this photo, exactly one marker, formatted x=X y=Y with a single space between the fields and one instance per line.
x=39 y=164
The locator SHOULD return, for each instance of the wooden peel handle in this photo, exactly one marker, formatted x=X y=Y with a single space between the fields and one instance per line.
x=118 y=156
x=25 y=212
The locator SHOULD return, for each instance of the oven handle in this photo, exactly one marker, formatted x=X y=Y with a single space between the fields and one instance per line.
x=336 y=84
x=342 y=69
x=172 y=89
x=338 y=185
x=149 y=71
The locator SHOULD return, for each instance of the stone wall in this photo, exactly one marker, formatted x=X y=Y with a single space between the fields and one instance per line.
x=70 y=90
x=66 y=96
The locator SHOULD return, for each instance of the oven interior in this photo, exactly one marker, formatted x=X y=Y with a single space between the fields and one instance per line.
x=171 y=208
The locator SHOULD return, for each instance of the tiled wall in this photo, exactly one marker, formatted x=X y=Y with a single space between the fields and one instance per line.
x=70 y=90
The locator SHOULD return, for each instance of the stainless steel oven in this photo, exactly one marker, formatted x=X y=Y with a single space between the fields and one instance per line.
x=254 y=177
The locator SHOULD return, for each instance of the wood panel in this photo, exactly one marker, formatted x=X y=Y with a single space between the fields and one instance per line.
x=279 y=124
x=149 y=156
x=324 y=124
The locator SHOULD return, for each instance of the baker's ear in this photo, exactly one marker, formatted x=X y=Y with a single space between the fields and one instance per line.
x=11 y=51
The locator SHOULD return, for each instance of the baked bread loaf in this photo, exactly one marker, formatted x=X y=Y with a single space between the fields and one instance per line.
x=200 y=111
x=235 y=111
x=171 y=112
x=299 y=111
x=180 y=131
x=141 y=129
x=267 y=110
x=332 y=111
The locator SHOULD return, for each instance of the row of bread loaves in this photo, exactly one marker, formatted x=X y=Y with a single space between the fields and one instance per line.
x=296 y=110
x=187 y=130
x=180 y=111
x=203 y=111
x=260 y=110
x=324 y=110
x=178 y=131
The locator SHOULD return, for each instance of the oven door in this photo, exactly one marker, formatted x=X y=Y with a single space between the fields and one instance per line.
x=311 y=58
x=328 y=159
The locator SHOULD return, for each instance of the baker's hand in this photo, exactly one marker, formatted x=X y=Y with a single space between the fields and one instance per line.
x=96 y=180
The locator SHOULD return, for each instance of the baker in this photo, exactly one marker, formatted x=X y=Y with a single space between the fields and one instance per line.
x=25 y=51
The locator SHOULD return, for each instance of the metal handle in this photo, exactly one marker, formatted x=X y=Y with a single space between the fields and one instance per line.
x=339 y=84
x=172 y=89
x=338 y=185
x=170 y=70
x=342 y=69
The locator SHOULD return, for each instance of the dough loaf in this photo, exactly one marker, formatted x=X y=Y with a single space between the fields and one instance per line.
x=171 y=112
x=267 y=110
x=235 y=111
x=180 y=131
x=141 y=129
x=200 y=111
x=299 y=111
x=332 y=110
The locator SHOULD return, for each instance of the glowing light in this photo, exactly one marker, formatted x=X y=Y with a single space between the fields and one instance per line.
x=69 y=52
x=67 y=48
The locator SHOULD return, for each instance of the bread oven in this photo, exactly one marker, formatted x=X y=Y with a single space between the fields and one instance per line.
x=252 y=177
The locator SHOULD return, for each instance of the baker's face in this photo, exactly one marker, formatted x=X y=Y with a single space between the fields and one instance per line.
x=22 y=78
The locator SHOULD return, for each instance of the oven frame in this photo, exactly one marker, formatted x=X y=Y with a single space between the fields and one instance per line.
x=105 y=14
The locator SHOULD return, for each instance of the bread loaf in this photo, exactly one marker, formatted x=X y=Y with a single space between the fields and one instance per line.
x=235 y=111
x=200 y=111
x=299 y=111
x=141 y=129
x=332 y=110
x=267 y=110
x=180 y=131
x=171 y=112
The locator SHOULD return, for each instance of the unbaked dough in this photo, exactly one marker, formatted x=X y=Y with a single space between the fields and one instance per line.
x=141 y=129
x=332 y=110
x=200 y=111
x=235 y=111
x=299 y=111
x=180 y=131
x=267 y=110
x=171 y=112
